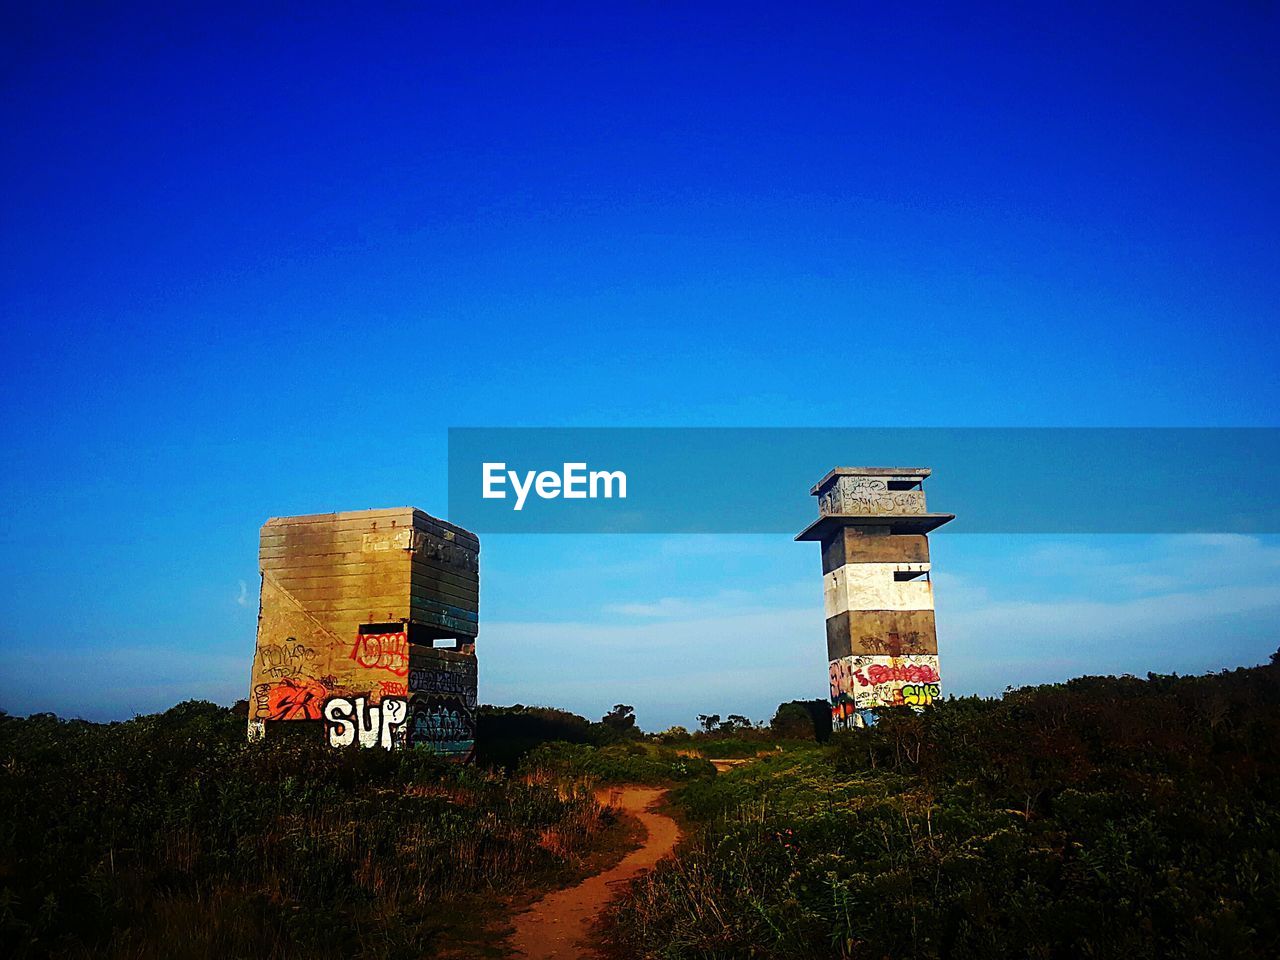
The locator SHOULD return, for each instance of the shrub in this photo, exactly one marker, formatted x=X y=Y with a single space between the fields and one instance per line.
x=1104 y=817
x=505 y=734
x=171 y=836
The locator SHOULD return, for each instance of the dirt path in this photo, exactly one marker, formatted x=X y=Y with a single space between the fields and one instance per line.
x=554 y=928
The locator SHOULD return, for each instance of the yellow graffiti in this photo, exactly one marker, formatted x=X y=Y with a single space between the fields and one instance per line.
x=920 y=694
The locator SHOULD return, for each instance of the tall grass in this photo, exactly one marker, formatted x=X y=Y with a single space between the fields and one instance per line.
x=1108 y=817
x=619 y=763
x=170 y=836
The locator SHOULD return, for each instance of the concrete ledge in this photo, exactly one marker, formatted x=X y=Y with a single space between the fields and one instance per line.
x=825 y=527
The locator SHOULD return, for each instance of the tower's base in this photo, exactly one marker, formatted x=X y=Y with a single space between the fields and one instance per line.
x=861 y=684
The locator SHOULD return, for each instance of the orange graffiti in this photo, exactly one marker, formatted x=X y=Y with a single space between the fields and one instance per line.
x=296 y=699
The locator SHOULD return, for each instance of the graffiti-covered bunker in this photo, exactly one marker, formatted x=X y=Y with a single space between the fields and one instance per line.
x=882 y=642
x=366 y=630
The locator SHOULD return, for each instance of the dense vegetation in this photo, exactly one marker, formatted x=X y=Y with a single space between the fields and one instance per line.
x=504 y=735
x=619 y=763
x=169 y=835
x=1105 y=817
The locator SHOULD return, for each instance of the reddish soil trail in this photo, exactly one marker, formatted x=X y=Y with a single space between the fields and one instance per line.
x=556 y=926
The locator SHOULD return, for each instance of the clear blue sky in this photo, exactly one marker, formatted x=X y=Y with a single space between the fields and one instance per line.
x=256 y=262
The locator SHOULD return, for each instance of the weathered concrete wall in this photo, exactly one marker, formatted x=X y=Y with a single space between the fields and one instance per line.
x=889 y=632
x=875 y=586
x=882 y=641
x=350 y=604
x=442 y=692
x=868 y=545
x=870 y=496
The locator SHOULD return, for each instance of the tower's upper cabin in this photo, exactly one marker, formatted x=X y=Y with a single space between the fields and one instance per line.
x=889 y=498
x=871 y=491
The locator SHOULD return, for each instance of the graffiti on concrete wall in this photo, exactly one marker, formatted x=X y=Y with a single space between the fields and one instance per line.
x=443 y=725
x=382 y=651
x=920 y=694
x=869 y=495
x=862 y=683
x=444 y=705
x=378 y=701
x=288 y=659
x=342 y=594
x=290 y=699
x=455 y=678
x=350 y=722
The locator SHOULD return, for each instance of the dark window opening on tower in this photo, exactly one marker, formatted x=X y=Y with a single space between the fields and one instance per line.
x=381 y=628
x=905 y=485
x=903 y=575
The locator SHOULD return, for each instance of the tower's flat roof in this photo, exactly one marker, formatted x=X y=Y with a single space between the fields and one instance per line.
x=377 y=514
x=370 y=513
x=823 y=527
x=915 y=472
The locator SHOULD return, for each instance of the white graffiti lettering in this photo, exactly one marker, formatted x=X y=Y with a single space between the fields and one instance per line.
x=350 y=721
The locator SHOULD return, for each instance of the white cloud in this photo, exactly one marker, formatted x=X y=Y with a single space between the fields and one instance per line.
x=670 y=670
x=723 y=602
x=1161 y=604
x=1010 y=611
x=1132 y=604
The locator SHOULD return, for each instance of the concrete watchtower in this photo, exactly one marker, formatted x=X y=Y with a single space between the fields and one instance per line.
x=882 y=642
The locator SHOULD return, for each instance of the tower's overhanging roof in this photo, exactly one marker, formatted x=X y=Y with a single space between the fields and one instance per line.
x=827 y=524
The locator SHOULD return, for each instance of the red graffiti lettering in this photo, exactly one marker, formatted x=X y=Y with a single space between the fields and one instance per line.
x=908 y=674
x=383 y=651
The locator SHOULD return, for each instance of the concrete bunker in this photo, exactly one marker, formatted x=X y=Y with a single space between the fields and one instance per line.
x=367 y=625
